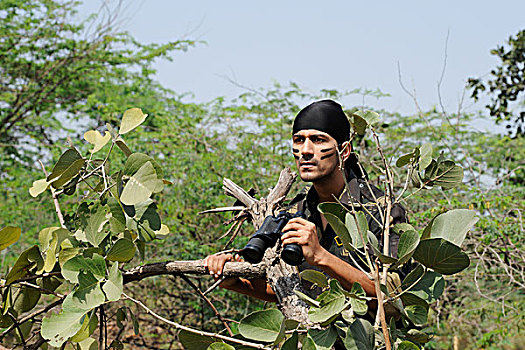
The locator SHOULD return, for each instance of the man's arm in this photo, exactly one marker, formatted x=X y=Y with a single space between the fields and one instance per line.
x=304 y=233
x=257 y=288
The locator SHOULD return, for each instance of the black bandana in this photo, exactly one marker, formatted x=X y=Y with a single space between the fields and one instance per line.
x=326 y=116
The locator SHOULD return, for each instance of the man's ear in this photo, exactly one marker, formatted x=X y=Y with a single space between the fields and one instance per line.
x=346 y=149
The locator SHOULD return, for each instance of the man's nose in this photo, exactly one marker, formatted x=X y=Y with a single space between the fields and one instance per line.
x=308 y=147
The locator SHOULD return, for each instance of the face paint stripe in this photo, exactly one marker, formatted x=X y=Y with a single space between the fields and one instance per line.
x=327 y=156
x=327 y=150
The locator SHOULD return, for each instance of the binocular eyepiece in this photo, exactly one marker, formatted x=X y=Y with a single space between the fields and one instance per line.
x=266 y=237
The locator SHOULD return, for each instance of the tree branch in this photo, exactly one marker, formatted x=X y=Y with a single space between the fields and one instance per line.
x=231 y=269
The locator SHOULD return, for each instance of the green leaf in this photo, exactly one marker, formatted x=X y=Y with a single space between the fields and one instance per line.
x=307 y=299
x=291 y=343
x=136 y=160
x=94 y=229
x=64 y=162
x=359 y=306
x=88 y=344
x=117 y=221
x=403 y=227
x=88 y=327
x=69 y=173
x=360 y=336
x=441 y=256
x=73 y=267
x=316 y=277
x=195 y=341
x=26 y=299
x=357 y=227
x=9 y=235
x=151 y=216
x=132 y=118
x=429 y=287
x=417 y=336
x=425 y=157
x=123 y=251
x=453 y=225
x=28 y=260
x=114 y=285
x=404 y=160
x=445 y=174
x=331 y=304
x=362 y=119
x=38 y=187
x=140 y=186
x=60 y=327
x=417 y=314
x=408 y=243
x=123 y=146
x=220 y=346
x=87 y=296
x=95 y=138
x=308 y=344
x=262 y=325
x=323 y=339
x=333 y=212
x=406 y=345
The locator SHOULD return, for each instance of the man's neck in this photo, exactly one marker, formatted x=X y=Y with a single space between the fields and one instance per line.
x=330 y=187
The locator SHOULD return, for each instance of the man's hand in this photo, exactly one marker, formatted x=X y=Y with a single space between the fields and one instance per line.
x=215 y=264
x=304 y=233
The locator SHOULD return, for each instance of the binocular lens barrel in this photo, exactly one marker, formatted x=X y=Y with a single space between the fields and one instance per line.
x=254 y=250
x=292 y=254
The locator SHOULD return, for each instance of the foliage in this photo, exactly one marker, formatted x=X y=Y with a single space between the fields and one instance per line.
x=83 y=255
x=54 y=67
x=506 y=85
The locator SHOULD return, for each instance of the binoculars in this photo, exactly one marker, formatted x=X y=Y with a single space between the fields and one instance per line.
x=266 y=237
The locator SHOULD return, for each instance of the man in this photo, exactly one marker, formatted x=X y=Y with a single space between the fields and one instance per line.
x=321 y=131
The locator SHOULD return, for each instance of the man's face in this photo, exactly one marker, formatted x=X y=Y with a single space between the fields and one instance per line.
x=315 y=154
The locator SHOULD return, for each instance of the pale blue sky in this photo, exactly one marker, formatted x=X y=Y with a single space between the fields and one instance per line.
x=330 y=44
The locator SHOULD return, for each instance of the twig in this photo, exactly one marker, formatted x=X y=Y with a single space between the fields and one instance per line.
x=208 y=301
x=55 y=199
x=381 y=309
x=235 y=233
x=194 y=331
x=214 y=285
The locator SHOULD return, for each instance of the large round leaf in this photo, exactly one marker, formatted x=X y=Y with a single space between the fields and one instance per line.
x=316 y=277
x=441 y=256
x=195 y=341
x=262 y=325
x=123 y=250
x=360 y=336
x=323 y=339
x=63 y=163
x=59 y=327
x=95 y=138
x=453 y=225
x=132 y=118
x=332 y=303
x=38 y=187
x=408 y=243
x=8 y=236
x=140 y=185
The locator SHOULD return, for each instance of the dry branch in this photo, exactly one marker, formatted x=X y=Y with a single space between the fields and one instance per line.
x=197 y=267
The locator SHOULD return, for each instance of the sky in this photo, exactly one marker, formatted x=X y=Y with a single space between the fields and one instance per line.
x=340 y=45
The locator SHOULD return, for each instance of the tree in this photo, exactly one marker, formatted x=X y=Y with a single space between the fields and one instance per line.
x=506 y=85
x=53 y=68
